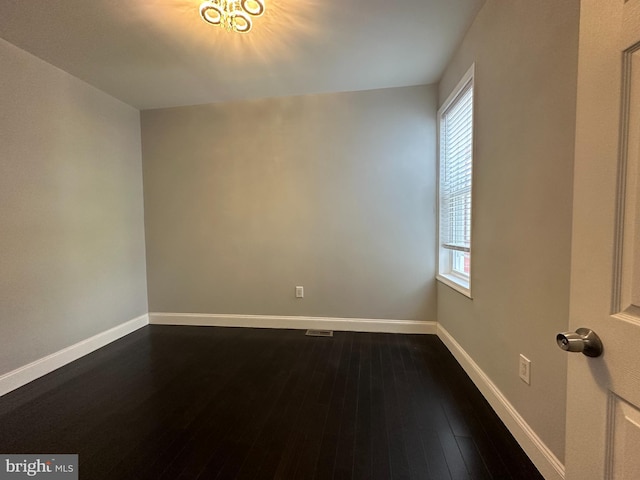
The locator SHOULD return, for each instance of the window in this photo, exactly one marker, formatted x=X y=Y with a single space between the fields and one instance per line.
x=454 y=194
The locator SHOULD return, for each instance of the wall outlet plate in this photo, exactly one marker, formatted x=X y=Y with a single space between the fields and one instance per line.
x=299 y=292
x=525 y=369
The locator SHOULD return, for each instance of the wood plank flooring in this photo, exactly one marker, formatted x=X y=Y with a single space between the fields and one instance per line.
x=230 y=403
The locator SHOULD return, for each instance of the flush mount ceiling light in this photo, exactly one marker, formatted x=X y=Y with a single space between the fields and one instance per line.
x=233 y=15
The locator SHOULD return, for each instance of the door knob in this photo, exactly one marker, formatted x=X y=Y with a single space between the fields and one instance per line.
x=583 y=340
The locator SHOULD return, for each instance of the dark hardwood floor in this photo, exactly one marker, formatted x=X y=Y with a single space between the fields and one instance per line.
x=231 y=403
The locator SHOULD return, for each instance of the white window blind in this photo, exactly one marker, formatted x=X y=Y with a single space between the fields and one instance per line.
x=456 y=155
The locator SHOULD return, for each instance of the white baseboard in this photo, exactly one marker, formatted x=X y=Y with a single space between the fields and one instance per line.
x=23 y=375
x=542 y=457
x=303 y=323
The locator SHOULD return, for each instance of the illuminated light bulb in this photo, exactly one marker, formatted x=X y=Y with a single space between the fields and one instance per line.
x=253 y=7
x=211 y=13
x=233 y=15
x=241 y=22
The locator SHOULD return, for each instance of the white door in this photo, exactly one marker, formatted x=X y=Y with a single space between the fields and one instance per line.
x=603 y=404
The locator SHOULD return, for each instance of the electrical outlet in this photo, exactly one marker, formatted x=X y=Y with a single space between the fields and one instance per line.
x=299 y=292
x=525 y=369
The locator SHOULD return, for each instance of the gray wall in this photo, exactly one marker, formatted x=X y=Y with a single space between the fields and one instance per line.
x=244 y=201
x=72 y=240
x=525 y=87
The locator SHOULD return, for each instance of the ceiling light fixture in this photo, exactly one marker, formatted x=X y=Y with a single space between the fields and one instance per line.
x=233 y=15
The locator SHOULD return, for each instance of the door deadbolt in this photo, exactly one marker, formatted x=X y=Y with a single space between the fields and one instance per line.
x=584 y=340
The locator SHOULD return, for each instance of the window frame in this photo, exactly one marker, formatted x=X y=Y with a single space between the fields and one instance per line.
x=445 y=257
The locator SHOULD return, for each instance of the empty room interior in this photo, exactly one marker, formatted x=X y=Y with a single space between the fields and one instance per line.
x=317 y=239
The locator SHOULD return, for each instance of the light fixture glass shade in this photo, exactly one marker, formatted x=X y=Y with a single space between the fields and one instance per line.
x=211 y=13
x=233 y=15
x=253 y=7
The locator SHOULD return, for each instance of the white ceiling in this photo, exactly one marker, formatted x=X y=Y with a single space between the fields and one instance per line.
x=159 y=53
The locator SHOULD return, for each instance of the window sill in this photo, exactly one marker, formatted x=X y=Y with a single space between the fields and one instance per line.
x=458 y=284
